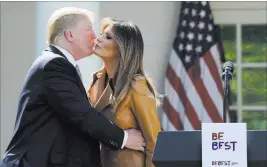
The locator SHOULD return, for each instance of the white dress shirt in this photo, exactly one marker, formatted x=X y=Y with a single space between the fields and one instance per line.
x=73 y=62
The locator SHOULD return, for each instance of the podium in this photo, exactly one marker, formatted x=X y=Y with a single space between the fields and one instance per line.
x=183 y=149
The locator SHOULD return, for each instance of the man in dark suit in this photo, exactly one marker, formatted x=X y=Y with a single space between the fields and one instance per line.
x=56 y=125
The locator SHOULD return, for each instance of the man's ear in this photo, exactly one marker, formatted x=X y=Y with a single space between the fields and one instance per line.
x=68 y=35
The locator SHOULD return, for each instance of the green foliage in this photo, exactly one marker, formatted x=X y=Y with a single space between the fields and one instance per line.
x=251 y=52
x=254 y=80
x=255 y=119
x=254 y=87
x=254 y=52
x=230 y=50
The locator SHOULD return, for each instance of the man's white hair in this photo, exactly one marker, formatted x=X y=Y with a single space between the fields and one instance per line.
x=64 y=19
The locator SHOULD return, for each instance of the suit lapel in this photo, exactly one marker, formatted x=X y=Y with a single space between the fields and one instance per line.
x=54 y=50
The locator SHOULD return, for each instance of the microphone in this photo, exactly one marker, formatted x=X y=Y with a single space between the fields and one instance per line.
x=228 y=69
x=227 y=75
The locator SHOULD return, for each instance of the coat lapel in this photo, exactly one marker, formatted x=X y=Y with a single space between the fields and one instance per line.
x=104 y=99
x=100 y=96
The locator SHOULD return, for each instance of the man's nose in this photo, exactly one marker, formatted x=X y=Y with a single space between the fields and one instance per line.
x=93 y=35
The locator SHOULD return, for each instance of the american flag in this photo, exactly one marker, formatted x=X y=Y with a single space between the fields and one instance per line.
x=193 y=84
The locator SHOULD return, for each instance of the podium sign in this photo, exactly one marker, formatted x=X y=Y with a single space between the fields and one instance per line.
x=224 y=144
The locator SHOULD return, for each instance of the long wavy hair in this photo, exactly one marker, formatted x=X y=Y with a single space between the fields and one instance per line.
x=130 y=55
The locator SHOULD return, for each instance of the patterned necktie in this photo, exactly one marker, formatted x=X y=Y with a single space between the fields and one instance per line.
x=78 y=70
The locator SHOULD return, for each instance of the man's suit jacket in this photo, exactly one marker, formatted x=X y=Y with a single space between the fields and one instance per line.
x=55 y=124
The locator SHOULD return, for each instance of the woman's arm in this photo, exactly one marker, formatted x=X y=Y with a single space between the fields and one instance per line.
x=144 y=109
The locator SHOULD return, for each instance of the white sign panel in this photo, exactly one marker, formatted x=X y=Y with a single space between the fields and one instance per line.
x=224 y=144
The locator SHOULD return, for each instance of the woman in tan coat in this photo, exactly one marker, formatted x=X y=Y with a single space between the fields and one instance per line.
x=122 y=92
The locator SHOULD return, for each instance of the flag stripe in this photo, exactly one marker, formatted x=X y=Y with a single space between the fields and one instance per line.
x=211 y=86
x=207 y=102
x=189 y=110
x=172 y=115
x=190 y=90
x=216 y=57
x=176 y=103
x=167 y=125
x=211 y=64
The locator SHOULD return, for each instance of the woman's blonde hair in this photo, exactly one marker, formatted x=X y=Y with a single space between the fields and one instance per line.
x=130 y=55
